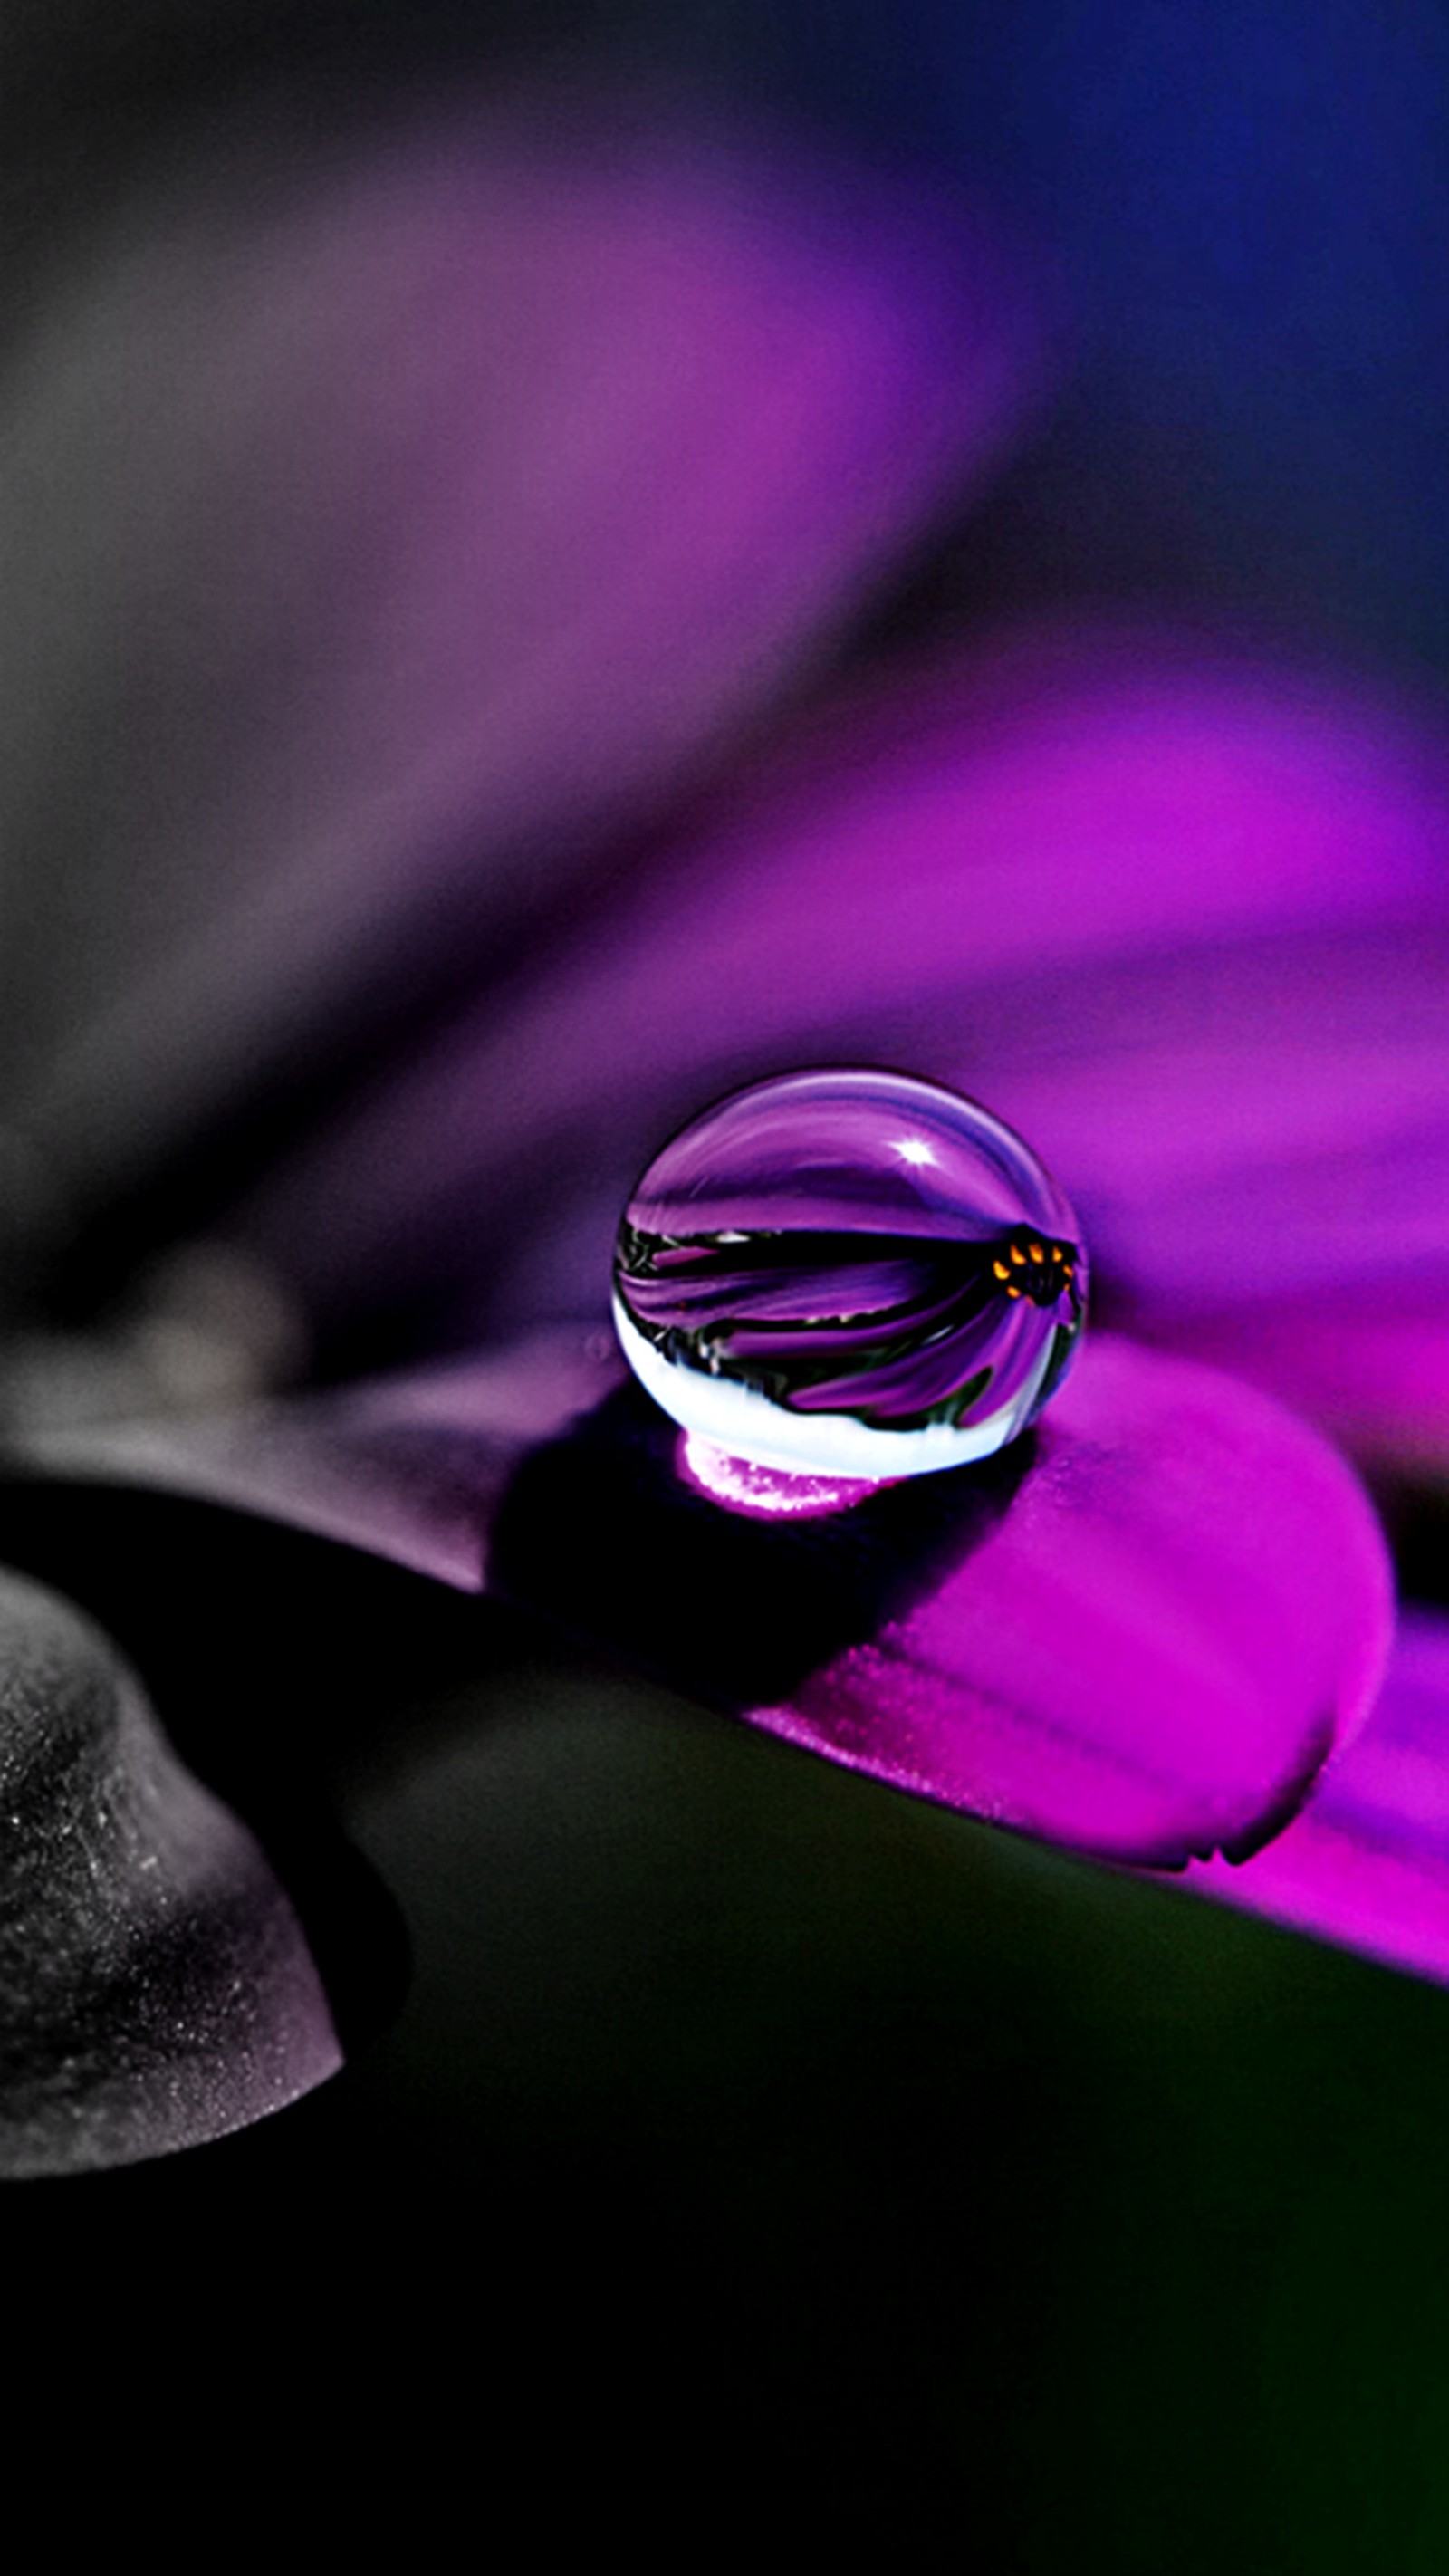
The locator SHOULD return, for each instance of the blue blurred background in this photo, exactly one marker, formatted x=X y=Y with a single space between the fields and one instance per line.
x=1244 y=206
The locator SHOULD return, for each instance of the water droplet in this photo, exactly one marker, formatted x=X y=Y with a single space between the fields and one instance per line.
x=849 y=1274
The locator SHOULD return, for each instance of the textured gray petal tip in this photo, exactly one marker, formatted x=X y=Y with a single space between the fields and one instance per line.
x=155 y=1986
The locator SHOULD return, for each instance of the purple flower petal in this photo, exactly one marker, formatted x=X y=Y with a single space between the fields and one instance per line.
x=155 y=1987
x=384 y=526
x=1132 y=895
x=411 y=1468
x=1367 y=1862
x=1185 y=1607
x=1372 y=1371
x=1149 y=1653
x=1253 y=1120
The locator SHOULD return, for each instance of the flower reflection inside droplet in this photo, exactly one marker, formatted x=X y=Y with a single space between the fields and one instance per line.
x=849 y=1274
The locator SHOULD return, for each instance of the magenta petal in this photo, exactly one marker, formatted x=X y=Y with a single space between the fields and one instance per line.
x=1150 y=1656
x=1071 y=875
x=504 y=465
x=1250 y=1121
x=1366 y=1864
x=1183 y=1606
x=155 y=1986
x=1374 y=1372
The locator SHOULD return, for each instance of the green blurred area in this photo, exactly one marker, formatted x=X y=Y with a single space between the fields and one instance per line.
x=753 y=2128
x=973 y=2172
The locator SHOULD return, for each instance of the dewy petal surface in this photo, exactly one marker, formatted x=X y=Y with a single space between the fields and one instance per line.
x=504 y=465
x=1146 y=1650
x=1367 y=1862
x=155 y=1986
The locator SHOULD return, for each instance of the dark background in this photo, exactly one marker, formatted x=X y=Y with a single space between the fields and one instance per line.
x=742 y=2118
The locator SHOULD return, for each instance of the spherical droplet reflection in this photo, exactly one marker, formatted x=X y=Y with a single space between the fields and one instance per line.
x=851 y=1275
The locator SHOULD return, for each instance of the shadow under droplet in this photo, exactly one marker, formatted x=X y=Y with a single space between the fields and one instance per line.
x=599 y=1532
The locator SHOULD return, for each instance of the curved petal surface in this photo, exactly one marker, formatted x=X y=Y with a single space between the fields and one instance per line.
x=1155 y=1649
x=1374 y=1372
x=409 y=1468
x=1367 y=1862
x=1146 y=1648
x=156 y=1987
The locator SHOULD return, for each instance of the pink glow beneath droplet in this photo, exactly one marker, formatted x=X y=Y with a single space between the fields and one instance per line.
x=765 y=1493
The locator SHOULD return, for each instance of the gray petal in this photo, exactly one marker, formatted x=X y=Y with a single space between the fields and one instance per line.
x=155 y=1986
